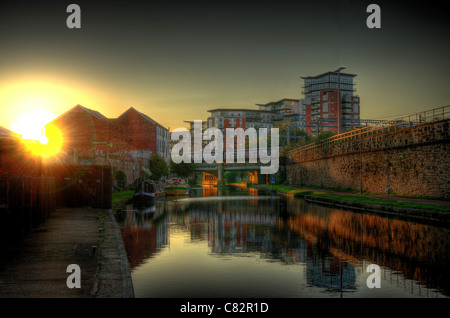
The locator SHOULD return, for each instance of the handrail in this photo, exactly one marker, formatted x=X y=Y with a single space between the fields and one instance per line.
x=427 y=116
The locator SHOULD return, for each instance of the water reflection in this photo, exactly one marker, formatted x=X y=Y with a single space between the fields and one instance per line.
x=419 y=252
x=144 y=231
x=241 y=243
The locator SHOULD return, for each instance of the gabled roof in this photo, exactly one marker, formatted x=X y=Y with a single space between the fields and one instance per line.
x=132 y=109
x=100 y=116
x=5 y=133
x=94 y=113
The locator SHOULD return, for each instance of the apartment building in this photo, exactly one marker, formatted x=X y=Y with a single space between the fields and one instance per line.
x=330 y=102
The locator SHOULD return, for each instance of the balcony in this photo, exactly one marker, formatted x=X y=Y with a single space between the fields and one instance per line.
x=306 y=91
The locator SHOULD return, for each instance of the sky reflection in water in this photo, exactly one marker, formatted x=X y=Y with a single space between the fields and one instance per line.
x=261 y=245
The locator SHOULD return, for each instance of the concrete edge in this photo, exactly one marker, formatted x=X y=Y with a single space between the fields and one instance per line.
x=128 y=288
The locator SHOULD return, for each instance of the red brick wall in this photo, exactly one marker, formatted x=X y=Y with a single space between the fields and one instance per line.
x=308 y=119
x=131 y=131
x=136 y=131
x=79 y=129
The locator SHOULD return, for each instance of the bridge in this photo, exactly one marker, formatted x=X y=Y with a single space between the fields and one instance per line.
x=213 y=173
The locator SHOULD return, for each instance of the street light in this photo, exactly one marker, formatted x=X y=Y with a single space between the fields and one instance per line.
x=339 y=96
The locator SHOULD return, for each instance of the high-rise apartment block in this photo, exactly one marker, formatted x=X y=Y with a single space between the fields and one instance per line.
x=330 y=102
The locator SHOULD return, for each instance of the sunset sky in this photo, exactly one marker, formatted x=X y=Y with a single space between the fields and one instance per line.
x=175 y=60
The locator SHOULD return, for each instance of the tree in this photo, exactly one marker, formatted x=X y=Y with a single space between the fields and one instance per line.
x=296 y=134
x=322 y=136
x=121 y=179
x=182 y=169
x=158 y=167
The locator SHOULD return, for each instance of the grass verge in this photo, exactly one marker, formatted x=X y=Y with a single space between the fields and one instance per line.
x=122 y=196
x=362 y=199
x=355 y=198
x=288 y=190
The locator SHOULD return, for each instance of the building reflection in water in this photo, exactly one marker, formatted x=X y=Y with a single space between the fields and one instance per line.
x=144 y=231
x=334 y=246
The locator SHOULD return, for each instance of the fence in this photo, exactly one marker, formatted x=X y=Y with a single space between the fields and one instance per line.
x=79 y=186
x=25 y=202
x=428 y=116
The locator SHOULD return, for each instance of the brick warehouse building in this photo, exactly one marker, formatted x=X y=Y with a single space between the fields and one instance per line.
x=125 y=143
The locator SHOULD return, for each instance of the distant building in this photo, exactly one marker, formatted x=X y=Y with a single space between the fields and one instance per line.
x=290 y=109
x=126 y=142
x=191 y=126
x=191 y=131
x=267 y=116
x=223 y=118
x=321 y=95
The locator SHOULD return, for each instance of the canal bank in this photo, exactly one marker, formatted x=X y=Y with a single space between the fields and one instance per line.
x=36 y=265
x=430 y=211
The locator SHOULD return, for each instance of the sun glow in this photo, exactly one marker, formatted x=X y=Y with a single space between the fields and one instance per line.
x=41 y=139
x=32 y=125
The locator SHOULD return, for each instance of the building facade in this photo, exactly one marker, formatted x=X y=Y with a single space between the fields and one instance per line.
x=293 y=110
x=331 y=103
x=223 y=118
x=126 y=143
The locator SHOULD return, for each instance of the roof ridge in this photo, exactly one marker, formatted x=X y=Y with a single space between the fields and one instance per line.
x=95 y=113
x=143 y=115
x=7 y=132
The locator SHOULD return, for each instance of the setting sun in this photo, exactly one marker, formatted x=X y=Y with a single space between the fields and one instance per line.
x=31 y=125
x=41 y=140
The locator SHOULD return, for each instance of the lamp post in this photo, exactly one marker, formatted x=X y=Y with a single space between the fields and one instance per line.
x=339 y=96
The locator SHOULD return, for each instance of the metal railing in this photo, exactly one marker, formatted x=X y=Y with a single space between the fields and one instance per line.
x=427 y=116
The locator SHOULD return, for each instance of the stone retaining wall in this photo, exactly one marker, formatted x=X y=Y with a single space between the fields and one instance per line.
x=407 y=161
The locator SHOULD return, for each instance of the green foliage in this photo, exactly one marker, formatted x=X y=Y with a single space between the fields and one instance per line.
x=121 y=179
x=295 y=134
x=306 y=140
x=182 y=169
x=122 y=196
x=158 y=167
x=322 y=136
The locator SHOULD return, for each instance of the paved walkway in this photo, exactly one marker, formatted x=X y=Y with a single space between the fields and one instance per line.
x=36 y=266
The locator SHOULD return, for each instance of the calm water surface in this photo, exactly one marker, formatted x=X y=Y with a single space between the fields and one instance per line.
x=245 y=243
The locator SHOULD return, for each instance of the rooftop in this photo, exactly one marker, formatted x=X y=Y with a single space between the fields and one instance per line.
x=240 y=110
x=281 y=100
x=100 y=116
x=143 y=115
x=328 y=73
x=93 y=112
x=6 y=133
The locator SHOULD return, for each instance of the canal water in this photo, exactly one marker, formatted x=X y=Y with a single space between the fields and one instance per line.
x=242 y=242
